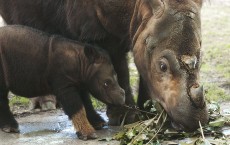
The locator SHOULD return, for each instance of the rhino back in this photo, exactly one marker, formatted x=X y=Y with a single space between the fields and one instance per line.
x=24 y=59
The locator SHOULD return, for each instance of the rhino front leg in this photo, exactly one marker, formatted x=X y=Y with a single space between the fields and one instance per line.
x=7 y=122
x=143 y=94
x=73 y=106
x=81 y=123
x=94 y=118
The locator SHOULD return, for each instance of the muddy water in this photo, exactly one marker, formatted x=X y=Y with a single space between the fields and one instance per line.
x=52 y=127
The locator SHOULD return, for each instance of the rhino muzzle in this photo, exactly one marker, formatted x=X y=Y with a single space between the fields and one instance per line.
x=197 y=96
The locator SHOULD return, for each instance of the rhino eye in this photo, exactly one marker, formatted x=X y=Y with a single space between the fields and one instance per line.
x=163 y=67
x=107 y=83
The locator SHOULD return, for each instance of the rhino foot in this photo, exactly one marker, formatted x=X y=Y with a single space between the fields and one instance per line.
x=87 y=136
x=99 y=125
x=9 y=129
x=8 y=123
x=48 y=106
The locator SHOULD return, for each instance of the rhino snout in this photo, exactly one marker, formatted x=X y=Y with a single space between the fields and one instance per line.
x=197 y=95
x=120 y=98
x=190 y=109
x=122 y=92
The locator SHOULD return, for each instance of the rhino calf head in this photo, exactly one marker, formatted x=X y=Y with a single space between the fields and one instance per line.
x=102 y=78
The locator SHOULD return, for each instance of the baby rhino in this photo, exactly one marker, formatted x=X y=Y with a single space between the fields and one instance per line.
x=33 y=63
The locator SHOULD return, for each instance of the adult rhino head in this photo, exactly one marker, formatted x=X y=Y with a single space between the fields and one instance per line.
x=166 y=36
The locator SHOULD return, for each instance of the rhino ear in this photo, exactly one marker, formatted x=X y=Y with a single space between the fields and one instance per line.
x=199 y=2
x=91 y=53
x=156 y=5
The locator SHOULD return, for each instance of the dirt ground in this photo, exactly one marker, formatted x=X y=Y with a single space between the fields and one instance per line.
x=49 y=128
x=215 y=69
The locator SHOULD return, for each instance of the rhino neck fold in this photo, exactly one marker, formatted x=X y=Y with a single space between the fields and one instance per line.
x=85 y=69
x=70 y=54
x=50 y=46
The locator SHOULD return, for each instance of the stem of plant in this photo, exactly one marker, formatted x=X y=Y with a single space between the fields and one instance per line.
x=139 y=110
x=142 y=130
x=159 y=128
x=201 y=129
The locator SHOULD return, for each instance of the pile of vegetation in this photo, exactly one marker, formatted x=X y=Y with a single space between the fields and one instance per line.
x=156 y=130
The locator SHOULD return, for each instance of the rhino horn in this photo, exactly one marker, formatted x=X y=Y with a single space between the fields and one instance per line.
x=191 y=61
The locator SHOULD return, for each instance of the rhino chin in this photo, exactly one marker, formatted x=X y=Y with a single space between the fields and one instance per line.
x=177 y=127
x=188 y=119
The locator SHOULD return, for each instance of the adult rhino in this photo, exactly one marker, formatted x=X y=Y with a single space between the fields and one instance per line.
x=164 y=35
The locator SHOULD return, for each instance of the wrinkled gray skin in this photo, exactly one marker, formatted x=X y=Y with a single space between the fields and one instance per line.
x=171 y=68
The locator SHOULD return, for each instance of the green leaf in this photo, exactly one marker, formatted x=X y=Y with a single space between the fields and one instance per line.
x=106 y=139
x=119 y=135
x=147 y=103
x=218 y=123
x=151 y=130
x=129 y=126
x=153 y=110
x=213 y=107
x=200 y=141
x=142 y=137
x=130 y=134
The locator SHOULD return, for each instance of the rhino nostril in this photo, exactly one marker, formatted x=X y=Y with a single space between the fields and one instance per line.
x=122 y=92
x=197 y=95
x=196 y=85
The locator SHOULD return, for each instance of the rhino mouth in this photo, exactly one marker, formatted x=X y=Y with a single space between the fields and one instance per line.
x=177 y=126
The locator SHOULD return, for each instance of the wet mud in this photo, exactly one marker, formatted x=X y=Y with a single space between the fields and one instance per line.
x=51 y=127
